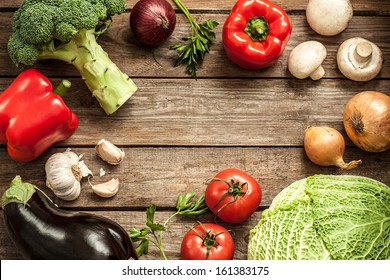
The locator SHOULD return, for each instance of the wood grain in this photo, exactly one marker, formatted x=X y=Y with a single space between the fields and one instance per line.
x=215 y=112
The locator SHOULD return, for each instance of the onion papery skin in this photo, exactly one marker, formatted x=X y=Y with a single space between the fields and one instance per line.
x=325 y=146
x=367 y=121
x=152 y=22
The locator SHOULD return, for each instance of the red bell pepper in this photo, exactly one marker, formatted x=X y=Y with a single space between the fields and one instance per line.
x=32 y=117
x=256 y=33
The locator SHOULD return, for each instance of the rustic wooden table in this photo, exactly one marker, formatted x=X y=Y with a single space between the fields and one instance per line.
x=178 y=132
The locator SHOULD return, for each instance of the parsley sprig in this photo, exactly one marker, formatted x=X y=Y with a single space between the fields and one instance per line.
x=153 y=233
x=196 y=45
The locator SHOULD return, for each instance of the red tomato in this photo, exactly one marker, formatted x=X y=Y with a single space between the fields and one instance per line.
x=207 y=242
x=233 y=195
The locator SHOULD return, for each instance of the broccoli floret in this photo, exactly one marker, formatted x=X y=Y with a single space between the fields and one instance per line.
x=67 y=30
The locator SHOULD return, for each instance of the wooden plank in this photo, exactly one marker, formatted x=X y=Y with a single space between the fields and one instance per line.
x=158 y=62
x=159 y=175
x=226 y=5
x=215 y=112
x=175 y=232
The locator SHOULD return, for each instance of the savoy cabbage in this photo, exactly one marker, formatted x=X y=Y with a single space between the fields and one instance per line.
x=341 y=217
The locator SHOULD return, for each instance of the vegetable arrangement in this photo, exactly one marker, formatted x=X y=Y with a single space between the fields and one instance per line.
x=358 y=59
x=366 y=115
x=255 y=34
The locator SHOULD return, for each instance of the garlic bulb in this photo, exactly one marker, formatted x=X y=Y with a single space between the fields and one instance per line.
x=108 y=152
x=64 y=172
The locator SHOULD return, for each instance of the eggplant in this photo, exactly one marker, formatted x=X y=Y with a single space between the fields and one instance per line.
x=41 y=230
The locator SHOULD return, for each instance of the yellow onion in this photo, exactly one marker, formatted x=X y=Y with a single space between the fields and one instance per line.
x=367 y=121
x=325 y=146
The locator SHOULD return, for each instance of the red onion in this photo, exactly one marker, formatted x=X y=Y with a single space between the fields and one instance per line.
x=152 y=21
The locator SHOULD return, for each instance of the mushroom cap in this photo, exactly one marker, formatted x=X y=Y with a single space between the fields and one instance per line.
x=329 y=17
x=306 y=58
x=359 y=59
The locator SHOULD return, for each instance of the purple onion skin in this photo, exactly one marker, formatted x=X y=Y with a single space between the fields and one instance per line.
x=152 y=22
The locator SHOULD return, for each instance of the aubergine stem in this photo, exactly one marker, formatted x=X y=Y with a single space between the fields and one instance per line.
x=18 y=191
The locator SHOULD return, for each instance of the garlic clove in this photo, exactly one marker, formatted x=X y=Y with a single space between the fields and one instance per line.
x=108 y=152
x=107 y=189
x=71 y=193
x=73 y=157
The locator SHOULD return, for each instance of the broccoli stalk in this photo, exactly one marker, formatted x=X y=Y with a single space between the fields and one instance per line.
x=65 y=30
x=108 y=84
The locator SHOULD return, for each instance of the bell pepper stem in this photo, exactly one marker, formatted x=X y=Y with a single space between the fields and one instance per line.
x=257 y=28
x=62 y=88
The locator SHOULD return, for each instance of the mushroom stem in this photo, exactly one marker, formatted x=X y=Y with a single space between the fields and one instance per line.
x=318 y=73
x=363 y=52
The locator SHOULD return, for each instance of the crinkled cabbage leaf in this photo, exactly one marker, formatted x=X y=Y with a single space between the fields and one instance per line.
x=321 y=217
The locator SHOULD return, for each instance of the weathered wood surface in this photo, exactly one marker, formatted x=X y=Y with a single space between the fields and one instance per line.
x=216 y=112
x=178 y=132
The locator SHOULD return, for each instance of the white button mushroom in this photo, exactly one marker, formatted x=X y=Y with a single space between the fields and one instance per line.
x=305 y=60
x=329 y=17
x=359 y=59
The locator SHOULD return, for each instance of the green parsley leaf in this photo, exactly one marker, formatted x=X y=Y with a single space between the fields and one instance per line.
x=195 y=47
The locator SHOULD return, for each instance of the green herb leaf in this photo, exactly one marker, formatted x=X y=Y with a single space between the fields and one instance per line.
x=141 y=236
x=193 y=51
x=186 y=207
x=137 y=235
x=143 y=247
x=150 y=219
